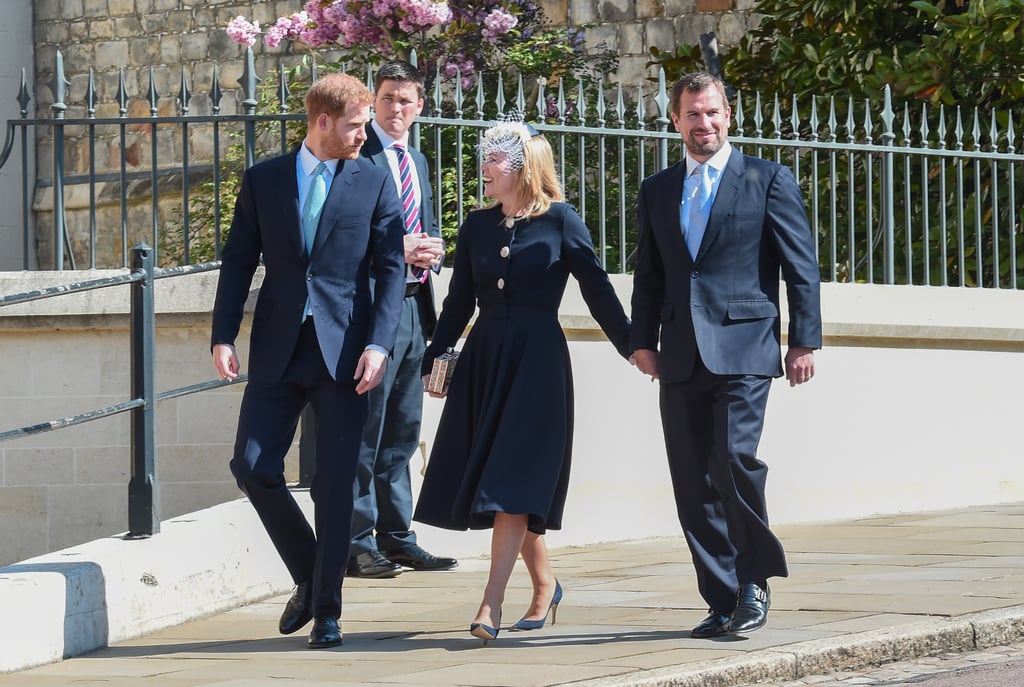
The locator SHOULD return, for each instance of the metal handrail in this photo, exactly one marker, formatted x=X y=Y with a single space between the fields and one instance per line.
x=143 y=501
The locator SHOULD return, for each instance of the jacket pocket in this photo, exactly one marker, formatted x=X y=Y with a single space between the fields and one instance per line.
x=752 y=309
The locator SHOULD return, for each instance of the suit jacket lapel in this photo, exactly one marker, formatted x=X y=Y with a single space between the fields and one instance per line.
x=423 y=174
x=674 y=189
x=374 y=150
x=336 y=200
x=725 y=200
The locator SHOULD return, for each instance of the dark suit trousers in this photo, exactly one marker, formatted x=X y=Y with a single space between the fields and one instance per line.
x=383 y=491
x=266 y=427
x=712 y=426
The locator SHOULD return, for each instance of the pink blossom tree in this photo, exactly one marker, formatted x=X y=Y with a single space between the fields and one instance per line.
x=460 y=36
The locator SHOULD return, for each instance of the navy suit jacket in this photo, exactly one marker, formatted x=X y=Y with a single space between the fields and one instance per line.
x=373 y=150
x=360 y=231
x=724 y=304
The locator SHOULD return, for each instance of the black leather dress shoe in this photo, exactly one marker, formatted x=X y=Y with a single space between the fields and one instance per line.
x=299 y=609
x=715 y=625
x=412 y=556
x=372 y=564
x=325 y=633
x=751 y=611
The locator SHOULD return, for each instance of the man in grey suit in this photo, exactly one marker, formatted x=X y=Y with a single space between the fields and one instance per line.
x=382 y=540
x=715 y=230
x=321 y=219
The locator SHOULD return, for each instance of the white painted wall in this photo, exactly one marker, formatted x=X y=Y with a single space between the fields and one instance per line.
x=913 y=407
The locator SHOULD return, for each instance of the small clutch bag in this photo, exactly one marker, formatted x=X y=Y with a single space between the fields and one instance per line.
x=441 y=372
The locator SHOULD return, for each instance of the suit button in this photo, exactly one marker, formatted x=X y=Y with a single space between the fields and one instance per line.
x=501 y=283
x=694 y=274
x=504 y=251
x=309 y=277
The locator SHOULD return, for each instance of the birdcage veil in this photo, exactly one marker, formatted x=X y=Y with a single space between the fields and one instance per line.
x=507 y=134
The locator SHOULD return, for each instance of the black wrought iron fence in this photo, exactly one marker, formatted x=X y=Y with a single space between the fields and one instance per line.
x=922 y=196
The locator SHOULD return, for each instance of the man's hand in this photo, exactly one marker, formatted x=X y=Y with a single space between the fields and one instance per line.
x=799 y=365
x=647 y=361
x=370 y=370
x=225 y=361
x=423 y=251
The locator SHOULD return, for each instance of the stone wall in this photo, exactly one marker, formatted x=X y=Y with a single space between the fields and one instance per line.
x=15 y=45
x=152 y=44
x=632 y=27
x=168 y=34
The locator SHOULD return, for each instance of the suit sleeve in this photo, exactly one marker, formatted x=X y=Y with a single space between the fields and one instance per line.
x=239 y=260
x=648 y=280
x=388 y=264
x=459 y=304
x=794 y=242
x=597 y=290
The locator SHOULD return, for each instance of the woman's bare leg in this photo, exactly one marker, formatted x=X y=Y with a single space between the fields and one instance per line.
x=506 y=541
x=535 y=555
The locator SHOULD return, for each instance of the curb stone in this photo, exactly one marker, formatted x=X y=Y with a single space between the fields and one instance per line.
x=835 y=654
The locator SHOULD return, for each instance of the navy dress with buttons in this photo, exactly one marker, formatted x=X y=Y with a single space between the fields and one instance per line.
x=504 y=441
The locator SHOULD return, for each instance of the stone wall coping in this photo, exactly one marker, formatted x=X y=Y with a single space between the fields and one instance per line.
x=868 y=314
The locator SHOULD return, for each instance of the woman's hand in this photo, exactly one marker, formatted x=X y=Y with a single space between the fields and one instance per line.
x=426 y=381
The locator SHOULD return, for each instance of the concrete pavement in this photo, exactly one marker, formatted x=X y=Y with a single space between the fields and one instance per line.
x=860 y=592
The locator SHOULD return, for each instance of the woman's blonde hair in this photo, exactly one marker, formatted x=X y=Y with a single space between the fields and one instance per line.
x=537 y=186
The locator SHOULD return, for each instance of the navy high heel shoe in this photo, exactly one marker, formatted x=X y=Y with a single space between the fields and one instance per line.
x=485 y=632
x=524 y=624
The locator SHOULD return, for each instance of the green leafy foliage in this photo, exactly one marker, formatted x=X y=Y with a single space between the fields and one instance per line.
x=966 y=54
x=969 y=52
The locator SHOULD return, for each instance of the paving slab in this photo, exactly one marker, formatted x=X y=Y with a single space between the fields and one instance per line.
x=861 y=593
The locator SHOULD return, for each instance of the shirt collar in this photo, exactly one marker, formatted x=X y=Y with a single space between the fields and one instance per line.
x=308 y=162
x=718 y=161
x=385 y=139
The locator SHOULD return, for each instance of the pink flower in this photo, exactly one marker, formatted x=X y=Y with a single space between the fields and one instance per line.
x=242 y=31
x=286 y=28
x=498 y=22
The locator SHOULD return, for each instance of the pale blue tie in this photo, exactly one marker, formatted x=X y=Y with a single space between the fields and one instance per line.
x=315 y=197
x=697 y=193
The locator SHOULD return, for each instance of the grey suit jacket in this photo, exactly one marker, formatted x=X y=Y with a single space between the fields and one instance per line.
x=724 y=305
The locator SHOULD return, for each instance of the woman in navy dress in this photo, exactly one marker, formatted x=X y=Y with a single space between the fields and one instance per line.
x=501 y=454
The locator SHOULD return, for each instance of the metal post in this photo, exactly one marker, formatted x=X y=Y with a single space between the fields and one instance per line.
x=663 y=101
x=248 y=82
x=143 y=496
x=888 y=193
x=60 y=84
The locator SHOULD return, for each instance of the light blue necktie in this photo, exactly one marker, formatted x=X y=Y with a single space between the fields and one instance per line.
x=315 y=197
x=697 y=194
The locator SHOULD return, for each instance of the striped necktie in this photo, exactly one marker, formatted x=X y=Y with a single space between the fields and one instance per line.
x=410 y=208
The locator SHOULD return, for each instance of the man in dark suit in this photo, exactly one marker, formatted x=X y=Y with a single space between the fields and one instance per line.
x=321 y=219
x=382 y=541
x=714 y=232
